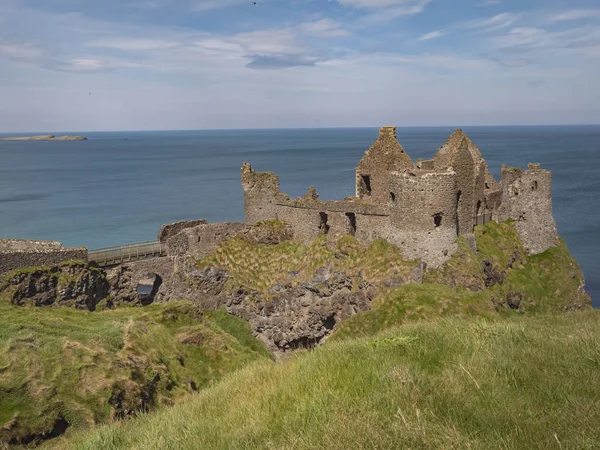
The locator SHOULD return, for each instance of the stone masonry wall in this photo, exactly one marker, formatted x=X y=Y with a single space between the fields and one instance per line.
x=423 y=218
x=10 y=260
x=385 y=155
x=201 y=240
x=168 y=231
x=527 y=199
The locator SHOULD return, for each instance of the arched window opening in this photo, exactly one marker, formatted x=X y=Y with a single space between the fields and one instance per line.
x=365 y=185
x=351 y=223
x=437 y=220
x=323 y=223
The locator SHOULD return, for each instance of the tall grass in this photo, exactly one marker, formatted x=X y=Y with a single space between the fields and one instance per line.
x=528 y=382
x=88 y=367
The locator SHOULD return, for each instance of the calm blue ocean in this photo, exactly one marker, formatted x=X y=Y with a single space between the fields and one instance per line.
x=109 y=191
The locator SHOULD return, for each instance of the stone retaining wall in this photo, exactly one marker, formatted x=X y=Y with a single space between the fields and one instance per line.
x=16 y=253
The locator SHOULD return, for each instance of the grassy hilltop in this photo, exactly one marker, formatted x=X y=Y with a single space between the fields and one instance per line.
x=64 y=366
x=496 y=349
x=525 y=383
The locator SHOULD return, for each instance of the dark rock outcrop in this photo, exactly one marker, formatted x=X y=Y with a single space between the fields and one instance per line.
x=127 y=286
x=79 y=285
x=294 y=315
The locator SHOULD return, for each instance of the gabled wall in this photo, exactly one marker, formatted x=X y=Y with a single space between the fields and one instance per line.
x=385 y=155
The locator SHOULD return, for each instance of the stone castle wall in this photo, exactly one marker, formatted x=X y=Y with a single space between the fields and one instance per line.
x=202 y=239
x=423 y=219
x=18 y=253
x=168 y=231
x=527 y=199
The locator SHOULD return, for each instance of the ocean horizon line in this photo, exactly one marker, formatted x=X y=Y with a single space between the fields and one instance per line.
x=36 y=133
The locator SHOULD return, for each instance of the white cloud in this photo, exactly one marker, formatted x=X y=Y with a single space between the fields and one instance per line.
x=499 y=21
x=21 y=52
x=489 y=3
x=85 y=65
x=374 y=4
x=385 y=10
x=133 y=44
x=576 y=14
x=432 y=35
x=324 y=28
x=208 y=5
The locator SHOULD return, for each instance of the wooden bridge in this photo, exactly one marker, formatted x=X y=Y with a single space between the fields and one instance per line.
x=112 y=256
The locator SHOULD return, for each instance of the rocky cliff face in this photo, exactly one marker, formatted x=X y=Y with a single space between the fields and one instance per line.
x=70 y=284
x=294 y=294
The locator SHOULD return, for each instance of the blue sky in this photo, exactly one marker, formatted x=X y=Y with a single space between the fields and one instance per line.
x=198 y=64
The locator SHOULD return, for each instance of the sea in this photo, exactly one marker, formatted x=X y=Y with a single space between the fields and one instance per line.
x=120 y=187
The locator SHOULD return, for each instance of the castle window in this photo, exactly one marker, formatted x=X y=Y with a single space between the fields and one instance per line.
x=392 y=197
x=351 y=223
x=437 y=219
x=487 y=185
x=534 y=186
x=365 y=184
x=323 y=223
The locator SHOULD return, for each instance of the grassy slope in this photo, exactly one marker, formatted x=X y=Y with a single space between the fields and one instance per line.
x=267 y=410
x=548 y=282
x=525 y=382
x=64 y=362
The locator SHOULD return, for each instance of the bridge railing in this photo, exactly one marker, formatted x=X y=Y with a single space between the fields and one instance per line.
x=126 y=253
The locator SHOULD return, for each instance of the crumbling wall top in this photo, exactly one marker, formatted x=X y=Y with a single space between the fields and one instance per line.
x=22 y=245
x=262 y=181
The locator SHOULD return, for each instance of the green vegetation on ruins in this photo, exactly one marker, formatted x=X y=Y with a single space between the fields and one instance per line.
x=62 y=365
x=524 y=382
x=551 y=281
x=259 y=267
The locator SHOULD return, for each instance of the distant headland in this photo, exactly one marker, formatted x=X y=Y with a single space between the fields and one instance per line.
x=46 y=137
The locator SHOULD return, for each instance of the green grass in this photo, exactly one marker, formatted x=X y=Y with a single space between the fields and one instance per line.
x=437 y=365
x=259 y=267
x=550 y=280
x=524 y=382
x=414 y=302
x=61 y=362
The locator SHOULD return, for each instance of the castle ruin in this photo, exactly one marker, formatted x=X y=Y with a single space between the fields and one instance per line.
x=420 y=207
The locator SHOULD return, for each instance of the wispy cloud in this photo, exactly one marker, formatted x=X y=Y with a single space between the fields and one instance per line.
x=489 y=3
x=285 y=62
x=324 y=28
x=576 y=14
x=208 y=5
x=386 y=10
x=502 y=20
x=432 y=35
